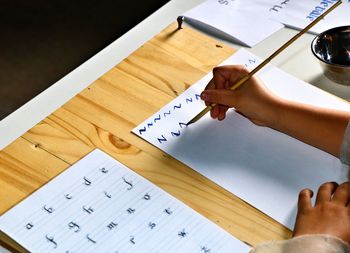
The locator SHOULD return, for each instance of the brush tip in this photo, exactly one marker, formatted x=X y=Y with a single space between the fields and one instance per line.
x=191 y=121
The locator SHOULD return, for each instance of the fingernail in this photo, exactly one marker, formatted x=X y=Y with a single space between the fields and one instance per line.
x=204 y=96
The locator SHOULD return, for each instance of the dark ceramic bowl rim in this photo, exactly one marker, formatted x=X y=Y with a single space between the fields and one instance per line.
x=335 y=29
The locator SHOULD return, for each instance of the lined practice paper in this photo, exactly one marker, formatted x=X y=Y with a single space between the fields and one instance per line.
x=99 y=205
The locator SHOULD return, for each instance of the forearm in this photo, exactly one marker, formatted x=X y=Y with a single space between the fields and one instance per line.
x=305 y=244
x=319 y=127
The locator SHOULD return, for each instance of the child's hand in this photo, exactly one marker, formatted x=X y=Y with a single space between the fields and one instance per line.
x=252 y=99
x=330 y=215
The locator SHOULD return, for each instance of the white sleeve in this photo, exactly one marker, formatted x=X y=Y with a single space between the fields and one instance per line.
x=345 y=147
x=305 y=244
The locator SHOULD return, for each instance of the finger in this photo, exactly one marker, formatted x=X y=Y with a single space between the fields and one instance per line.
x=222 y=112
x=342 y=194
x=222 y=97
x=225 y=74
x=210 y=86
x=304 y=201
x=214 y=113
x=231 y=73
x=325 y=192
x=219 y=78
x=223 y=77
x=227 y=85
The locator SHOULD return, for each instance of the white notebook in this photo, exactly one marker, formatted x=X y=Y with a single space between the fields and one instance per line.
x=99 y=205
x=264 y=167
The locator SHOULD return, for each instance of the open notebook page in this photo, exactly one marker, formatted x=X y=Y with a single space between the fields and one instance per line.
x=264 y=167
x=99 y=205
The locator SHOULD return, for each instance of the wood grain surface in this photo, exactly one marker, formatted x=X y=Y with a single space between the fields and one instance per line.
x=103 y=115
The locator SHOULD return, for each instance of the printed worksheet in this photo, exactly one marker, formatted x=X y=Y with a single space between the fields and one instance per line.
x=263 y=167
x=248 y=22
x=298 y=14
x=99 y=205
x=234 y=20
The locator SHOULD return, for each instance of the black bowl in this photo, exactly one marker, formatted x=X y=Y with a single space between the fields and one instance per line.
x=332 y=49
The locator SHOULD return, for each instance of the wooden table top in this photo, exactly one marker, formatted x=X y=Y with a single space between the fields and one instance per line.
x=102 y=116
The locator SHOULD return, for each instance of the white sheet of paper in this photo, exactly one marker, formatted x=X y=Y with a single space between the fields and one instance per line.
x=3 y=250
x=242 y=27
x=261 y=166
x=298 y=14
x=99 y=205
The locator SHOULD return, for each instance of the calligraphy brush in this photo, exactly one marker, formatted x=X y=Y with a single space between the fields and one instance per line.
x=261 y=65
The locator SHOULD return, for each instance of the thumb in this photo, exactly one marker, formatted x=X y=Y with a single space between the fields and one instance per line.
x=220 y=96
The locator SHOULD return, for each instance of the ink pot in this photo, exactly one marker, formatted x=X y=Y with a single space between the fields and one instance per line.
x=332 y=49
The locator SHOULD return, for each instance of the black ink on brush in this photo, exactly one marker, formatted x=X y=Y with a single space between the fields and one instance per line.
x=180 y=20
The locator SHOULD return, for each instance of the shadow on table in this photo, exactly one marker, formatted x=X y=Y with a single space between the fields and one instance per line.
x=42 y=41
